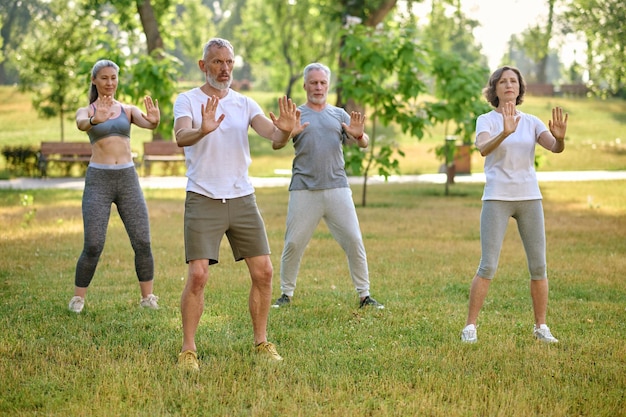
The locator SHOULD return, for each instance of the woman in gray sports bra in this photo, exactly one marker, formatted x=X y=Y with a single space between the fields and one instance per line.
x=112 y=178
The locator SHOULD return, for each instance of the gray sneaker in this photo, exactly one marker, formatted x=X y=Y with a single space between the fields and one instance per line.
x=76 y=304
x=468 y=335
x=284 y=300
x=542 y=333
x=151 y=301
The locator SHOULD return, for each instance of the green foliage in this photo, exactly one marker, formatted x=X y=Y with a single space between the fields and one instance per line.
x=458 y=89
x=28 y=201
x=384 y=77
x=21 y=160
x=280 y=38
x=49 y=58
x=602 y=24
x=154 y=75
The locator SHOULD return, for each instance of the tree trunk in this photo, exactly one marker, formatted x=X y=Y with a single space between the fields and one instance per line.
x=153 y=36
x=150 y=25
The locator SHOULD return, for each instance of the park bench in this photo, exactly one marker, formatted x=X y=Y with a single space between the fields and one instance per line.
x=67 y=153
x=161 y=151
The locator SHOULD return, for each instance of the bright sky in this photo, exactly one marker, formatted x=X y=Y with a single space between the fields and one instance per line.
x=499 y=19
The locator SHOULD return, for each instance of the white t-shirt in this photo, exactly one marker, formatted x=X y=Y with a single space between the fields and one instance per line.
x=217 y=165
x=510 y=168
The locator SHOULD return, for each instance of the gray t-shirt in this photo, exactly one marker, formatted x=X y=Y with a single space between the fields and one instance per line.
x=318 y=163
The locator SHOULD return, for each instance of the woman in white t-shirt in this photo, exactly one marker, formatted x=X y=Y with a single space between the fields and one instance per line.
x=507 y=138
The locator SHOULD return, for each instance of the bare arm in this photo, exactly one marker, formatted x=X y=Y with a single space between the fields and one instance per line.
x=554 y=140
x=85 y=118
x=356 y=129
x=151 y=118
x=186 y=135
x=278 y=129
x=298 y=128
x=487 y=144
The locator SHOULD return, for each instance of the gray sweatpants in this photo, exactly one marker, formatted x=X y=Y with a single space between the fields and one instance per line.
x=306 y=209
x=102 y=188
x=494 y=219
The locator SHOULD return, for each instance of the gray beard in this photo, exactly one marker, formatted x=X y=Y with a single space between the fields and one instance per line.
x=218 y=85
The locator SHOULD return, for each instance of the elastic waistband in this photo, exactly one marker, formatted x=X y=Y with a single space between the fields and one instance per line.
x=112 y=166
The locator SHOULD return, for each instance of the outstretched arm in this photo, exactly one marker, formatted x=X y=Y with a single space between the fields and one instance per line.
x=356 y=129
x=555 y=140
x=296 y=131
x=151 y=118
x=278 y=129
x=487 y=144
x=186 y=135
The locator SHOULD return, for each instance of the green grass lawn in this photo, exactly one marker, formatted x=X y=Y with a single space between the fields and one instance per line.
x=596 y=138
x=115 y=359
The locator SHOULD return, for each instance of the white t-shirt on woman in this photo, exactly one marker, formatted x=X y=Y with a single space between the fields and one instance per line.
x=510 y=168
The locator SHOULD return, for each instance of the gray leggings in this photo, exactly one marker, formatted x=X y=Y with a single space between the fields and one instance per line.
x=102 y=188
x=494 y=219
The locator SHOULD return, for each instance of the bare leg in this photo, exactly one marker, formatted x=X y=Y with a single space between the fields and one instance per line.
x=80 y=291
x=260 y=299
x=478 y=293
x=146 y=288
x=539 y=295
x=192 y=301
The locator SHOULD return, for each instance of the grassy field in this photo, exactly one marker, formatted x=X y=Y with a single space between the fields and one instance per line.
x=596 y=135
x=115 y=359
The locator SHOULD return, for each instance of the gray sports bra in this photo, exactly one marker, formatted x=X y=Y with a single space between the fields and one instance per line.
x=120 y=126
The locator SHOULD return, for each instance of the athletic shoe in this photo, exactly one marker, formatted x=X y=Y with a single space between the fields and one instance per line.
x=468 y=335
x=188 y=360
x=284 y=300
x=268 y=350
x=542 y=333
x=369 y=301
x=77 y=303
x=150 y=302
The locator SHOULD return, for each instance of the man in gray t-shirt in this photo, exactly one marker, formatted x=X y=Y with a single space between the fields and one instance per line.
x=319 y=186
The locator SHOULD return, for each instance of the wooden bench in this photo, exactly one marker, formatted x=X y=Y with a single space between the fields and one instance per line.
x=67 y=153
x=161 y=151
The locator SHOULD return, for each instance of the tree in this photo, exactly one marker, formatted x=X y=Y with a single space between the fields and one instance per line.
x=285 y=36
x=15 y=16
x=369 y=13
x=449 y=30
x=458 y=88
x=151 y=13
x=601 y=22
x=385 y=75
x=536 y=44
x=50 y=59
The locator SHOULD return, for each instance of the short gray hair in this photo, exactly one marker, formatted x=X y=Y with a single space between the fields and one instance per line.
x=219 y=42
x=316 y=66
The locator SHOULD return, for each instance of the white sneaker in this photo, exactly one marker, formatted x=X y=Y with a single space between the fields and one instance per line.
x=468 y=335
x=77 y=303
x=150 y=302
x=542 y=333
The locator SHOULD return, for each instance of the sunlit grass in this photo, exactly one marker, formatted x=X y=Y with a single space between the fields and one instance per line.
x=423 y=248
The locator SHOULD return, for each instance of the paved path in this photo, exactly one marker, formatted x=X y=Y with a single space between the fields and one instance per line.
x=283 y=181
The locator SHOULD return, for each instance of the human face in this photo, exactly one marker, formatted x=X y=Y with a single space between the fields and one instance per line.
x=507 y=87
x=316 y=87
x=218 y=67
x=106 y=81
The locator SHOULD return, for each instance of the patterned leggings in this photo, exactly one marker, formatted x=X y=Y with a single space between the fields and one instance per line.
x=102 y=188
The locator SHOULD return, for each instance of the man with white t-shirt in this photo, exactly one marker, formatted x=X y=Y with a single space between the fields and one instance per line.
x=211 y=122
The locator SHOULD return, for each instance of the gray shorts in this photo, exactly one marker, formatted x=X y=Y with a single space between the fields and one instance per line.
x=207 y=220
